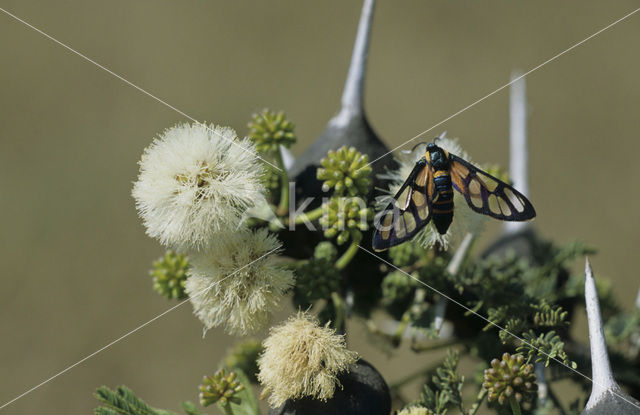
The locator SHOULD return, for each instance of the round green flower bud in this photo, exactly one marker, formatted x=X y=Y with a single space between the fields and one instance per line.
x=342 y=237
x=169 y=275
x=325 y=250
x=317 y=278
x=396 y=287
x=346 y=171
x=406 y=254
x=271 y=178
x=330 y=233
x=221 y=387
x=345 y=218
x=269 y=130
x=510 y=378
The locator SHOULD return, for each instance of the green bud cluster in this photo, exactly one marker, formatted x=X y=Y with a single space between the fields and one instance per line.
x=510 y=378
x=317 y=278
x=221 y=387
x=169 y=275
x=344 y=218
x=434 y=271
x=269 y=130
x=346 y=171
x=271 y=178
x=325 y=250
x=244 y=356
x=396 y=286
x=406 y=254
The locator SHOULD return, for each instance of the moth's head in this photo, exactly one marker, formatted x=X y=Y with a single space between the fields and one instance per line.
x=437 y=156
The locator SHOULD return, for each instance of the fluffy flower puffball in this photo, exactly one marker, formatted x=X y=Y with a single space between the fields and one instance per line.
x=238 y=282
x=302 y=358
x=464 y=219
x=196 y=180
x=415 y=410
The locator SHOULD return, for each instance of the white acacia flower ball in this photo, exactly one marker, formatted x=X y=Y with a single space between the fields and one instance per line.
x=196 y=180
x=414 y=410
x=302 y=358
x=237 y=283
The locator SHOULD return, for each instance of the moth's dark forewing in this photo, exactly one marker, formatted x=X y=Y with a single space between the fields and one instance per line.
x=488 y=195
x=396 y=226
x=408 y=213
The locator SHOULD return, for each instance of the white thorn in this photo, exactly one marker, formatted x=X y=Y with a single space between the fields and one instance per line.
x=440 y=310
x=287 y=158
x=458 y=258
x=601 y=368
x=453 y=268
x=543 y=386
x=606 y=396
x=353 y=94
x=518 y=153
x=634 y=349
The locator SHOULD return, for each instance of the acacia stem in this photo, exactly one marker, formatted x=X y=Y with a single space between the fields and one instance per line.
x=308 y=216
x=478 y=402
x=339 y=305
x=404 y=322
x=284 y=186
x=556 y=401
x=515 y=406
x=435 y=345
x=415 y=375
x=348 y=255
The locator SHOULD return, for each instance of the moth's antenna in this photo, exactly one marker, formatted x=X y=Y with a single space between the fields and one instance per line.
x=414 y=148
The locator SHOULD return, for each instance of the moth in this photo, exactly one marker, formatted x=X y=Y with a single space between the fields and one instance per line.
x=427 y=195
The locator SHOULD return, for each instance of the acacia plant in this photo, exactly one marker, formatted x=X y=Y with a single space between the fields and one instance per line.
x=246 y=231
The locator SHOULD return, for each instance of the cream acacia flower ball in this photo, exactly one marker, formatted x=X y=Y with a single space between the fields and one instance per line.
x=238 y=282
x=302 y=358
x=196 y=180
x=415 y=410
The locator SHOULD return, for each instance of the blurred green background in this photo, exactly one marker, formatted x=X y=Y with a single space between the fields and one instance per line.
x=74 y=255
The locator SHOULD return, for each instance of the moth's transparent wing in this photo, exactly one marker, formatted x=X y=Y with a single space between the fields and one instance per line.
x=408 y=212
x=487 y=195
